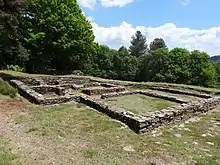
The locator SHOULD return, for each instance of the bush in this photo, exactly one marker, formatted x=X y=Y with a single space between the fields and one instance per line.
x=15 y=68
x=6 y=89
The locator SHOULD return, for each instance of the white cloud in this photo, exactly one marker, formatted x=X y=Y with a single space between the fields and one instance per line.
x=106 y=3
x=206 y=40
x=185 y=2
x=118 y=3
x=87 y=3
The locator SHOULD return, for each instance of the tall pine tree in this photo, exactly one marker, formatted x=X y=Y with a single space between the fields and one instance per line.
x=11 y=51
x=138 y=45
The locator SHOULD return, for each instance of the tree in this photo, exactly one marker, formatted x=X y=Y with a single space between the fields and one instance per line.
x=58 y=36
x=216 y=64
x=154 y=66
x=202 y=71
x=138 y=45
x=123 y=51
x=11 y=50
x=103 y=62
x=157 y=43
x=178 y=68
x=125 y=65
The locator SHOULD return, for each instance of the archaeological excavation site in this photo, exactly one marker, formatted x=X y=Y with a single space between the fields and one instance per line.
x=142 y=107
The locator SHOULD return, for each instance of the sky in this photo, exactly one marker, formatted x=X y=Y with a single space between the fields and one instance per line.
x=191 y=24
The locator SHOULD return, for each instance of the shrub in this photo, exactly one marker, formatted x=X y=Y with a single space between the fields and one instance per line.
x=15 y=68
x=6 y=89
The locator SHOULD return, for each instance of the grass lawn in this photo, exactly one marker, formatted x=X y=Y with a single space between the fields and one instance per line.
x=139 y=104
x=76 y=134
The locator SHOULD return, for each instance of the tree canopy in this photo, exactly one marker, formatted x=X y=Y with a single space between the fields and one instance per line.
x=138 y=45
x=53 y=36
x=158 y=43
x=59 y=37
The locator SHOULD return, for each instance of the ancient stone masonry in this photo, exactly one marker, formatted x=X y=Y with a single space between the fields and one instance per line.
x=38 y=98
x=101 y=90
x=176 y=89
x=55 y=90
x=147 y=93
x=151 y=120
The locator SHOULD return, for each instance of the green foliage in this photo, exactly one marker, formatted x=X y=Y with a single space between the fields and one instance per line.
x=157 y=43
x=154 y=66
x=202 y=71
x=6 y=89
x=217 y=68
x=125 y=65
x=58 y=36
x=138 y=45
x=11 y=50
x=102 y=61
x=177 y=66
x=15 y=68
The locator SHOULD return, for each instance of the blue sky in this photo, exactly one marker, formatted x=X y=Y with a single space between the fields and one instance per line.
x=193 y=24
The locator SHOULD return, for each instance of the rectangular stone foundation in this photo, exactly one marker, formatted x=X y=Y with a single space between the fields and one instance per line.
x=152 y=120
x=102 y=90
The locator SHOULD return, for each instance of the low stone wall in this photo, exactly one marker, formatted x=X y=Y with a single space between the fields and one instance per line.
x=178 y=91
x=102 y=90
x=61 y=99
x=45 y=89
x=155 y=119
x=172 y=87
x=152 y=120
x=27 y=92
x=157 y=95
x=129 y=120
x=117 y=94
x=38 y=98
x=163 y=96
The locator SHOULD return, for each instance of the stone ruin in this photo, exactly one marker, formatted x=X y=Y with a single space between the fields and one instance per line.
x=55 y=90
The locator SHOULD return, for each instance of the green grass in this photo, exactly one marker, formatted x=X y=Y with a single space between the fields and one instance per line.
x=139 y=104
x=6 y=157
x=19 y=119
x=94 y=138
x=6 y=89
x=105 y=139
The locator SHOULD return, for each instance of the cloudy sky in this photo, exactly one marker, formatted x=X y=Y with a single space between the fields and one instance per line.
x=193 y=24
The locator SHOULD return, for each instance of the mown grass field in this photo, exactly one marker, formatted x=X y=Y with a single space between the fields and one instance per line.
x=140 y=104
x=76 y=134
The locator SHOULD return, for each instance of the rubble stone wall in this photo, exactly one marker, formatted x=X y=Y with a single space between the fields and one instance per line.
x=45 y=89
x=161 y=96
x=152 y=120
x=102 y=90
x=38 y=98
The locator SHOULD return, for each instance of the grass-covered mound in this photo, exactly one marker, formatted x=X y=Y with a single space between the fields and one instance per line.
x=6 y=89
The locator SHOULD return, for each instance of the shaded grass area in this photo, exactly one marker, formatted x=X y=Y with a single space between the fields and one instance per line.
x=6 y=89
x=6 y=157
x=139 y=104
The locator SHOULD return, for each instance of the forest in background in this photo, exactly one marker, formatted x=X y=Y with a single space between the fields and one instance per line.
x=54 y=37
